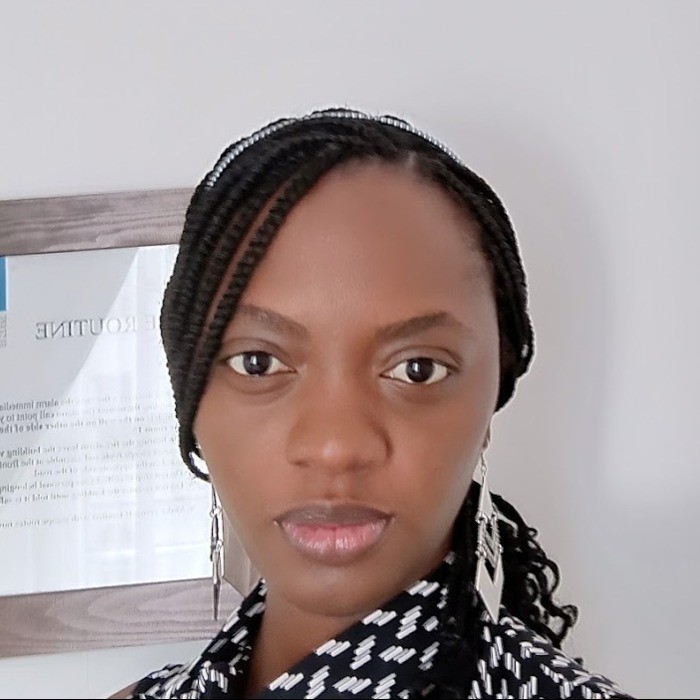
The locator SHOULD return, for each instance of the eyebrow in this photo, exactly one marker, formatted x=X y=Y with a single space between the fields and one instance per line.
x=418 y=324
x=394 y=331
x=276 y=321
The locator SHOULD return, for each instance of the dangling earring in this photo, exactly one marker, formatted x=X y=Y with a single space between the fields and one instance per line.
x=489 y=564
x=216 y=550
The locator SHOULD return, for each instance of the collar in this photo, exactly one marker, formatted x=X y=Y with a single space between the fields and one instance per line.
x=380 y=656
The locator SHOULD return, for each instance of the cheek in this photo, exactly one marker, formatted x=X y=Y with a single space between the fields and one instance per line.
x=435 y=465
x=243 y=454
x=438 y=452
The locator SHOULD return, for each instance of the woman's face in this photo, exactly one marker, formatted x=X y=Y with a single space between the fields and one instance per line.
x=340 y=456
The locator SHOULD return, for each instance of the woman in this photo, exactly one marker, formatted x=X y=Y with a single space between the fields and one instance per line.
x=347 y=311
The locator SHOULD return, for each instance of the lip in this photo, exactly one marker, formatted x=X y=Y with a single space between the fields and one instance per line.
x=333 y=533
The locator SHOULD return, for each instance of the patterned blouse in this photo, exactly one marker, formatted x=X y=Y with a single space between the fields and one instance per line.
x=381 y=656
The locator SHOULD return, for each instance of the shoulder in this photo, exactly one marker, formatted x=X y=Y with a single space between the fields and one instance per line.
x=520 y=663
x=162 y=683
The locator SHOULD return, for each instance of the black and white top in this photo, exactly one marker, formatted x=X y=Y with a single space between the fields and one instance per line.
x=381 y=656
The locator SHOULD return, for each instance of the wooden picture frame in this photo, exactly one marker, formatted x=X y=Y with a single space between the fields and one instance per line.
x=123 y=615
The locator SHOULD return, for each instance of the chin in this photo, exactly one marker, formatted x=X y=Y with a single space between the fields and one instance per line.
x=339 y=591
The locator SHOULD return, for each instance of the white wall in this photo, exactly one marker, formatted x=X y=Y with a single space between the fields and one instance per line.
x=583 y=116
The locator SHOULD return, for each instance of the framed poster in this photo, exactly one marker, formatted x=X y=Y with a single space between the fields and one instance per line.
x=103 y=530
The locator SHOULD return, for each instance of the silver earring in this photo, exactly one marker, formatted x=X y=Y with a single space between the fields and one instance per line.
x=216 y=551
x=489 y=564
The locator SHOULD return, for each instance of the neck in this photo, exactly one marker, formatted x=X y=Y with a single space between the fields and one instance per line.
x=287 y=634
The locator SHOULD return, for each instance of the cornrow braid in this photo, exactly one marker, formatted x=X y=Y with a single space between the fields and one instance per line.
x=263 y=177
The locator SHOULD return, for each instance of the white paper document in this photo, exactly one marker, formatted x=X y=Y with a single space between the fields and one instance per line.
x=93 y=491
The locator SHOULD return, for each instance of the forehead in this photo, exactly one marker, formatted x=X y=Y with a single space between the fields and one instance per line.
x=375 y=237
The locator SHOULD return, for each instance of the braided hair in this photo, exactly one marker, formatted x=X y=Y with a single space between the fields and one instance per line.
x=235 y=213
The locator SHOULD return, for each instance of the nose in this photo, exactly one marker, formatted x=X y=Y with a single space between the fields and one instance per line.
x=337 y=429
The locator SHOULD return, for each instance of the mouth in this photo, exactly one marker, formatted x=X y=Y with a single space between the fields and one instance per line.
x=333 y=533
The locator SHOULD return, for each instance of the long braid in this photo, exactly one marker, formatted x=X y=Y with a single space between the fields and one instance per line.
x=217 y=244
x=210 y=209
x=207 y=218
x=531 y=577
x=509 y=282
x=530 y=581
x=193 y=383
x=209 y=237
x=219 y=240
x=455 y=666
x=199 y=369
x=270 y=171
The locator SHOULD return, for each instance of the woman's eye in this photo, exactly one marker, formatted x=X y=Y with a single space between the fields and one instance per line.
x=256 y=364
x=418 y=370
